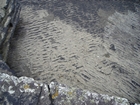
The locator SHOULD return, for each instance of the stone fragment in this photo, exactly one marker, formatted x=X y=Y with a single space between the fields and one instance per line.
x=64 y=95
x=112 y=47
x=22 y=91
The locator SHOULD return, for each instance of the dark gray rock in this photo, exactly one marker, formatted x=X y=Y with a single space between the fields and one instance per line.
x=27 y=91
x=22 y=91
x=4 y=68
x=112 y=47
x=63 y=95
x=9 y=14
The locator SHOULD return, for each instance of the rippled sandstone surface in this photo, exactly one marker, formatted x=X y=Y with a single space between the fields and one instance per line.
x=92 y=45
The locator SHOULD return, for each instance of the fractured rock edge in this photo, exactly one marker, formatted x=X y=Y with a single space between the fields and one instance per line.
x=27 y=91
x=8 y=23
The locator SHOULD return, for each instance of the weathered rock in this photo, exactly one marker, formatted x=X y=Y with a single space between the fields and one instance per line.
x=27 y=91
x=22 y=91
x=63 y=95
x=9 y=14
x=4 y=68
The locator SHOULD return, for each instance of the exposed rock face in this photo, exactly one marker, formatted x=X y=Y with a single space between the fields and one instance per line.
x=92 y=45
x=4 y=68
x=22 y=91
x=27 y=91
x=9 y=14
x=75 y=96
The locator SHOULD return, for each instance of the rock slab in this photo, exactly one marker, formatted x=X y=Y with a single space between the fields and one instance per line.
x=9 y=15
